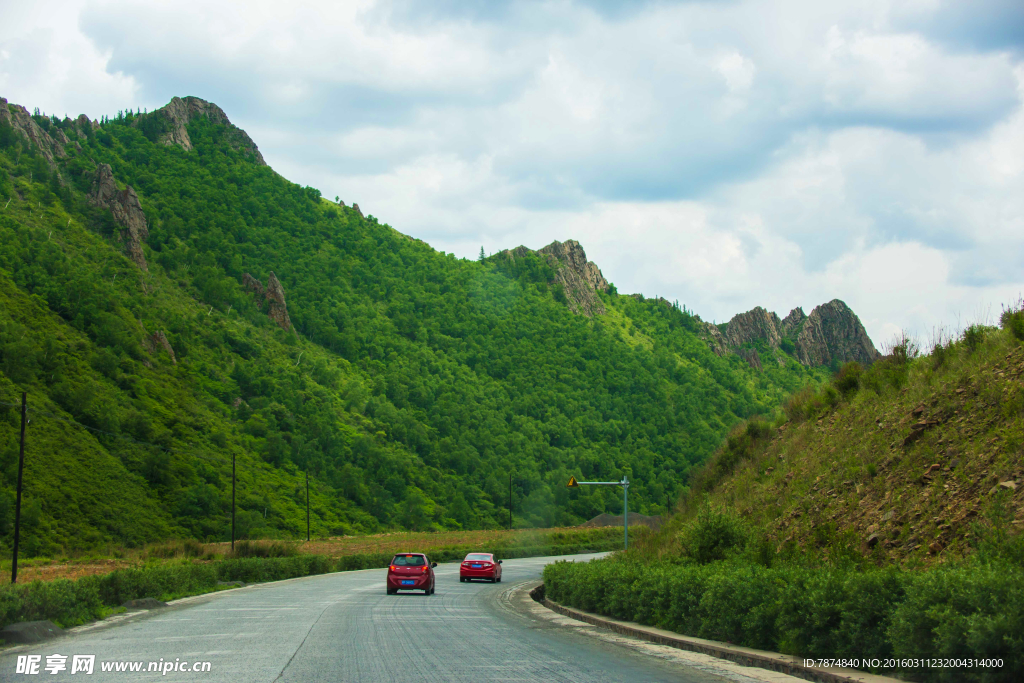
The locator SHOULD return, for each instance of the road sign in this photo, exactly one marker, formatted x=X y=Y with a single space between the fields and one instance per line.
x=625 y=498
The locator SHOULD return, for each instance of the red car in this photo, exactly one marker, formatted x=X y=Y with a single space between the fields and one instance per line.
x=411 y=572
x=480 y=566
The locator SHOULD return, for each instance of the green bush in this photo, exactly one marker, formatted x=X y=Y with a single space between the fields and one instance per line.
x=713 y=535
x=164 y=582
x=64 y=602
x=263 y=549
x=847 y=380
x=1012 y=319
x=259 y=569
x=974 y=336
x=974 y=611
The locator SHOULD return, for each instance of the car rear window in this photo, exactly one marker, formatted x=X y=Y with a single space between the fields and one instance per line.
x=408 y=561
x=477 y=557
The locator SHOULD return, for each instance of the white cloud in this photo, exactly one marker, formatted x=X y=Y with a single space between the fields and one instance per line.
x=725 y=154
x=46 y=62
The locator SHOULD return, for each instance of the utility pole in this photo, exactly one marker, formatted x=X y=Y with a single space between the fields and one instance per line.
x=509 y=494
x=17 y=504
x=232 y=502
x=307 y=506
x=625 y=499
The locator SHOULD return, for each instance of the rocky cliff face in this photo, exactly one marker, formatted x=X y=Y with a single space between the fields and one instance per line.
x=793 y=323
x=277 y=310
x=181 y=111
x=754 y=324
x=51 y=147
x=271 y=297
x=578 y=276
x=124 y=205
x=834 y=333
x=713 y=336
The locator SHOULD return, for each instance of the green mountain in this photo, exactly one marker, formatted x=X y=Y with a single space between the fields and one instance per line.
x=409 y=384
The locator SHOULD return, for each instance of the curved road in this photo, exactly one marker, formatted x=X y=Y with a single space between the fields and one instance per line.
x=342 y=627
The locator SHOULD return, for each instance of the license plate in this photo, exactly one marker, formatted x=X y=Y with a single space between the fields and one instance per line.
x=477 y=566
x=408 y=583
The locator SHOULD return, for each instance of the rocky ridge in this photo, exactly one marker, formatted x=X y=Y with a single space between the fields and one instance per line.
x=51 y=145
x=832 y=333
x=180 y=111
x=124 y=205
x=579 y=277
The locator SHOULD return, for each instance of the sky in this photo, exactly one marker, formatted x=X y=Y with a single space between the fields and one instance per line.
x=726 y=154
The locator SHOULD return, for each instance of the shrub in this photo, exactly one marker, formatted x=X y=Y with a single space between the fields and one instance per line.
x=1012 y=319
x=847 y=380
x=975 y=612
x=965 y=612
x=974 y=337
x=263 y=549
x=713 y=535
x=164 y=582
x=892 y=370
x=259 y=569
x=803 y=405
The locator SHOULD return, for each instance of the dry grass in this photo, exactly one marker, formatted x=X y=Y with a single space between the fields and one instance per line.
x=64 y=568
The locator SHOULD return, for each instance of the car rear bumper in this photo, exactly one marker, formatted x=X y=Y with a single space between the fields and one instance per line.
x=420 y=582
x=477 y=573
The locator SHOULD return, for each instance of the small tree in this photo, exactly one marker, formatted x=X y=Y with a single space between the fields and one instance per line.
x=482 y=255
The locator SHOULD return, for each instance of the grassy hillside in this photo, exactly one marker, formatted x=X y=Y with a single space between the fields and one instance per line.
x=412 y=385
x=911 y=460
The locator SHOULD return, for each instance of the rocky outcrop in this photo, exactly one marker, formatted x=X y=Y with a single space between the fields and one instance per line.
x=271 y=297
x=254 y=286
x=50 y=141
x=833 y=333
x=754 y=324
x=793 y=323
x=158 y=340
x=124 y=205
x=579 y=277
x=751 y=356
x=278 y=311
x=712 y=336
x=172 y=121
x=18 y=118
x=355 y=207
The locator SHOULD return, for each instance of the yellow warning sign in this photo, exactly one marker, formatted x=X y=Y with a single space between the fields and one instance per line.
x=572 y=483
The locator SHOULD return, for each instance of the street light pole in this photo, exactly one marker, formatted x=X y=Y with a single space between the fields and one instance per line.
x=625 y=510
x=625 y=499
x=17 y=503
x=232 y=502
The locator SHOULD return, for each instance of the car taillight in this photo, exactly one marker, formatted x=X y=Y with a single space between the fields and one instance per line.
x=426 y=568
x=391 y=568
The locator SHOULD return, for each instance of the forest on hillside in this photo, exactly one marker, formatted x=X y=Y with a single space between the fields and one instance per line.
x=412 y=386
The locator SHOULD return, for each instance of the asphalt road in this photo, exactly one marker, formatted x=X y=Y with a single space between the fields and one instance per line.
x=343 y=627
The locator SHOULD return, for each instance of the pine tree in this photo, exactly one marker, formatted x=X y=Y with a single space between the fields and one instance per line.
x=482 y=255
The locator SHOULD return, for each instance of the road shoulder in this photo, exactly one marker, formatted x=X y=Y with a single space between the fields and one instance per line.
x=710 y=655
